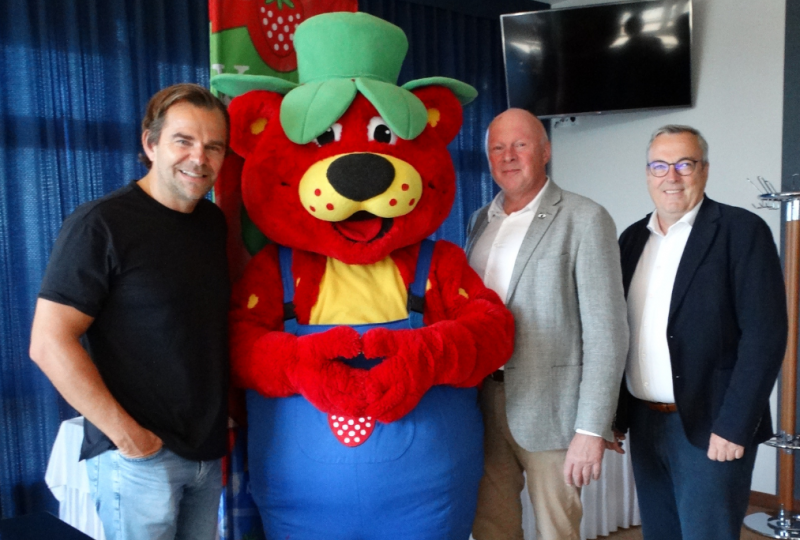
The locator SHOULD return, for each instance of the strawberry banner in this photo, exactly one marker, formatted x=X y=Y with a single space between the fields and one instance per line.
x=257 y=36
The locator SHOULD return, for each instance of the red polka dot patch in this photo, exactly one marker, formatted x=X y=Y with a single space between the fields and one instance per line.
x=351 y=431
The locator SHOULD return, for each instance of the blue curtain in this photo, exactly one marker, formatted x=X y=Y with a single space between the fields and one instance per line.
x=469 y=49
x=75 y=76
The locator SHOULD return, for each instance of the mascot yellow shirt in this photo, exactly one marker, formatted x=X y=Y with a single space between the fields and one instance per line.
x=360 y=294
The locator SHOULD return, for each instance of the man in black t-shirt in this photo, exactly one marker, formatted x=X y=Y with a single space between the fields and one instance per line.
x=131 y=328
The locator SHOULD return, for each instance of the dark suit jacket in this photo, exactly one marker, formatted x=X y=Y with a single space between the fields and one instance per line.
x=727 y=324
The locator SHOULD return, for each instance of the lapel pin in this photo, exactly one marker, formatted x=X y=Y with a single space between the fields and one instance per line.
x=541 y=216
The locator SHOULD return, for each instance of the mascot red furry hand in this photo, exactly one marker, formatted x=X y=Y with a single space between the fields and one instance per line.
x=361 y=343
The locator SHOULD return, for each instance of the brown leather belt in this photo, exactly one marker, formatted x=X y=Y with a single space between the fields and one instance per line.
x=498 y=376
x=661 y=407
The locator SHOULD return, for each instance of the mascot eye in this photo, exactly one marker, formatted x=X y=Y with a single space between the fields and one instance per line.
x=333 y=133
x=378 y=131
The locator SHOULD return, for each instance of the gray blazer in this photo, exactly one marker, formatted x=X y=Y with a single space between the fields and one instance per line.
x=571 y=322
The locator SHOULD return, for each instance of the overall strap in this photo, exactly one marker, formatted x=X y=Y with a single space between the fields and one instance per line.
x=416 y=292
x=289 y=316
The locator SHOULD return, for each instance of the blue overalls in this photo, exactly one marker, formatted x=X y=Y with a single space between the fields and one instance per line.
x=412 y=479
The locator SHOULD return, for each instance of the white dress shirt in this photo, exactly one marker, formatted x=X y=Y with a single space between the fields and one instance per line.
x=495 y=252
x=648 y=370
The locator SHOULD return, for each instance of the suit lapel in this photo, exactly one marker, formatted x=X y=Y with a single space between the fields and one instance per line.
x=477 y=229
x=631 y=251
x=697 y=246
x=548 y=208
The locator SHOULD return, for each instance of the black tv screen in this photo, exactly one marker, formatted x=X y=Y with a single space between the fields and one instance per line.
x=604 y=58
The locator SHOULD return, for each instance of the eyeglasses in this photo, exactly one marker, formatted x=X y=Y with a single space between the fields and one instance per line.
x=684 y=167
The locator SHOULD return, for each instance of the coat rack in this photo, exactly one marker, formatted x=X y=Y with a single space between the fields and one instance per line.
x=786 y=522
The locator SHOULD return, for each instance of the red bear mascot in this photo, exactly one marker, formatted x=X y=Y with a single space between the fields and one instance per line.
x=360 y=342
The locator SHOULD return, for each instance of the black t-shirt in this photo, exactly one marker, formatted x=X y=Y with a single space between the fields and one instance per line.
x=156 y=282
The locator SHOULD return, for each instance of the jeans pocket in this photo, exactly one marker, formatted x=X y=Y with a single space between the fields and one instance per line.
x=151 y=457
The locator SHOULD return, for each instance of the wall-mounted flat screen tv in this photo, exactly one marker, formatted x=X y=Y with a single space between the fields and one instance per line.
x=597 y=59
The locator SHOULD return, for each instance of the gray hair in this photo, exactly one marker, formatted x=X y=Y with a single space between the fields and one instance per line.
x=677 y=129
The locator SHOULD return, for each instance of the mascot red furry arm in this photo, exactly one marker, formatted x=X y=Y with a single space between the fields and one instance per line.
x=468 y=334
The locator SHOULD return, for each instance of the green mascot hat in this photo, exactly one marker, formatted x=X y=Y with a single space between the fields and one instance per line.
x=338 y=55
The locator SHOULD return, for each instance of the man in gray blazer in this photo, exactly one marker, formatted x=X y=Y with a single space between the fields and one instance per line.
x=552 y=256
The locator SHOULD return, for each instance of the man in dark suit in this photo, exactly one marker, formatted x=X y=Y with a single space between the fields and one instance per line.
x=707 y=313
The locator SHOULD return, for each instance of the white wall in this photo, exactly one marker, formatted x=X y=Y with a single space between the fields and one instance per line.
x=738 y=48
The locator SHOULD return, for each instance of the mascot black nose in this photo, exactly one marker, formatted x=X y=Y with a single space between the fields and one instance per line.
x=360 y=177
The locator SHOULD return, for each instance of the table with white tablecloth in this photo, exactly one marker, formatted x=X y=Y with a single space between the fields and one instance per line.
x=67 y=480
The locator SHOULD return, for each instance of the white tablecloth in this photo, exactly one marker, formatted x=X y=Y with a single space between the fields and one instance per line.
x=67 y=480
x=611 y=502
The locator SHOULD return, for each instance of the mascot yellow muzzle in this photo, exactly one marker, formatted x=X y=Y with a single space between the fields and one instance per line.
x=337 y=187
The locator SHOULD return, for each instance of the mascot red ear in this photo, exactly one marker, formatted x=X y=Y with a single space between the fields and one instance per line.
x=445 y=114
x=250 y=115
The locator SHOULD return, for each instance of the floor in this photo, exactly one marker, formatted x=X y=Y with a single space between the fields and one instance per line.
x=635 y=533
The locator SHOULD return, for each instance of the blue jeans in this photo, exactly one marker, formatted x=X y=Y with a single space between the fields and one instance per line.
x=159 y=497
x=683 y=495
